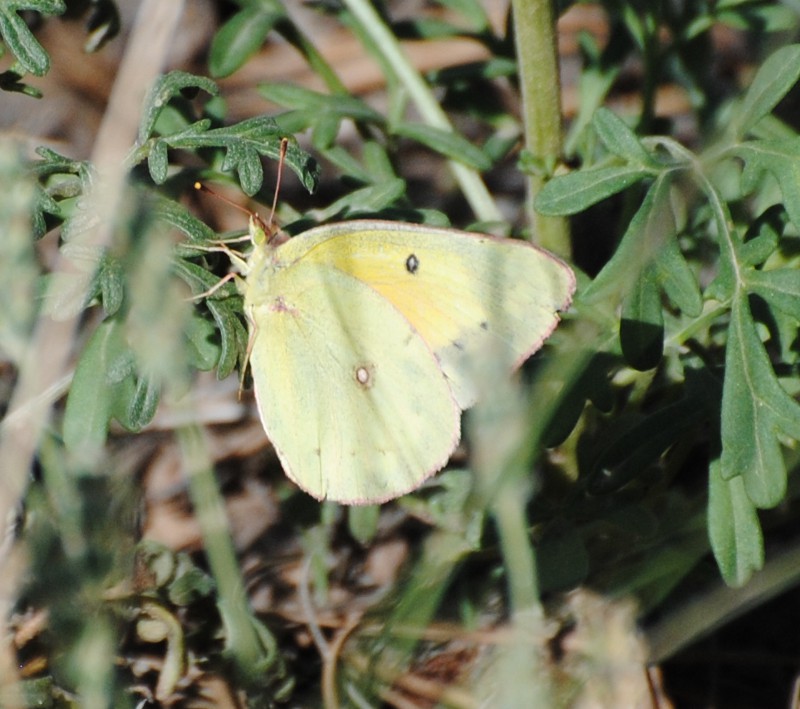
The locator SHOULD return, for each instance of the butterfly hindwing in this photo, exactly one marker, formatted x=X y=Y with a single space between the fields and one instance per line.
x=350 y=394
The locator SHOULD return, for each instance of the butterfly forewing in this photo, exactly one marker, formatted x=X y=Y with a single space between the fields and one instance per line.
x=469 y=296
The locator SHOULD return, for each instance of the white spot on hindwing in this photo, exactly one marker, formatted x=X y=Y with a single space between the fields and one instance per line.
x=412 y=264
x=364 y=374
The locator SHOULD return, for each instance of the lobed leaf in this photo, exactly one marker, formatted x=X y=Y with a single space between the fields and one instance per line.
x=755 y=409
x=20 y=40
x=781 y=159
x=780 y=287
x=163 y=90
x=733 y=527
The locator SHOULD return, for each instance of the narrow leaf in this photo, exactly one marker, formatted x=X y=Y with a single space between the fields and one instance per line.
x=574 y=192
x=771 y=83
x=619 y=138
x=641 y=330
x=158 y=161
x=103 y=363
x=142 y=405
x=239 y=39
x=445 y=142
x=678 y=280
x=233 y=336
x=20 y=40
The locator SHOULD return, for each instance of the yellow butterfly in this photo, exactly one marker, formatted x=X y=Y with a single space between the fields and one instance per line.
x=363 y=337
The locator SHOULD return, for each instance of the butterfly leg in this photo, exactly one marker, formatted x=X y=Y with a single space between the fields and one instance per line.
x=252 y=329
x=221 y=282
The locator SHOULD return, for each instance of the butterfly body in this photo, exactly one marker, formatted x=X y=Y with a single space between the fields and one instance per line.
x=366 y=341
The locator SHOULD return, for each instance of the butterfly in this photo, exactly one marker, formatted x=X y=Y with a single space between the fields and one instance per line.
x=365 y=340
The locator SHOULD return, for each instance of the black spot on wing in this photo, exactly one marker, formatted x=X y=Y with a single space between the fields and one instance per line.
x=412 y=264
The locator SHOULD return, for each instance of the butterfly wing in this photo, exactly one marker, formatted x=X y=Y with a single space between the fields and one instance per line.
x=469 y=296
x=352 y=398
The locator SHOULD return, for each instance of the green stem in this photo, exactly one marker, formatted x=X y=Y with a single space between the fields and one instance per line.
x=540 y=87
x=243 y=639
x=508 y=511
x=469 y=181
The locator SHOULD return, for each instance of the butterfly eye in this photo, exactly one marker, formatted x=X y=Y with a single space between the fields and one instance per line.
x=412 y=264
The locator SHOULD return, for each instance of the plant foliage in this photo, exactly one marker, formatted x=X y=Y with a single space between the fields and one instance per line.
x=648 y=438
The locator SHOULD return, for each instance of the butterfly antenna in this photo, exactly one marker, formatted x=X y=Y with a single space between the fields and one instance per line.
x=281 y=160
x=203 y=188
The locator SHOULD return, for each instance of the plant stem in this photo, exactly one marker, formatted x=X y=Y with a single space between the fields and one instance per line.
x=243 y=641
x=540 y=87
x=470 y=182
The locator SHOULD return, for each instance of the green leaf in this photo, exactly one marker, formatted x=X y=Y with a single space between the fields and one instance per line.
x=471 y=10
x=326 y=129
x=780 y=287
x=647 y=234
x=243 y=158
x=377 y=162
x=446 y=143
x=780 y=158
x=771 y=83
x=366 y=200
x=141 y=407
x=104 y=365
x=619 y=138
x=347 y=164
x=110 y=277
x=158 y=162
x=19 y=39
x=641 y=329
x=163 y=90
x=240 y=38
x=760 y=16
x=178 y=216
x=631 y=445
x=574 y=192
x=733 y=527
x=593 y=384
x=233 y=336
x=362 y=522
x=755 y=409
x=763 y=236
x=678 y=280
x=202 y=351
x=244 y=142
x=200 y=279
x=319 y=105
